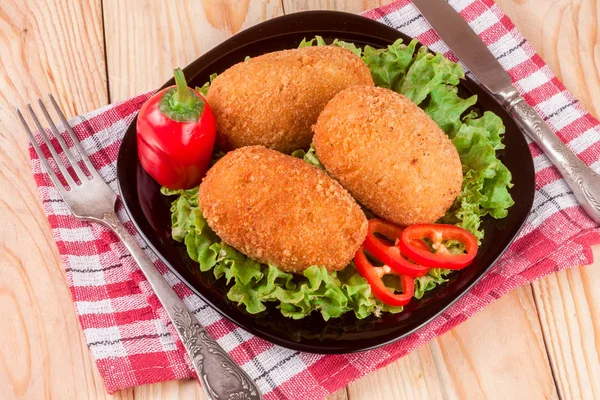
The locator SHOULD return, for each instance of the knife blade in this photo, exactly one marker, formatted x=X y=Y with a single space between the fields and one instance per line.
x=465 y=43
x=468 y=47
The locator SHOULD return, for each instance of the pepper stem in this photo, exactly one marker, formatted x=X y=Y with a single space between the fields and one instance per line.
x=180 y=103
x=182 y=100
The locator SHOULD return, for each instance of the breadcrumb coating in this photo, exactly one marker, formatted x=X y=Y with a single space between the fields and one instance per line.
x=279 y=210
x=274 y=99
x=389 y=154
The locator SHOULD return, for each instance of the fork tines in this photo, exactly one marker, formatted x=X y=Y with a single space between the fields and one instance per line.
x=79 y=173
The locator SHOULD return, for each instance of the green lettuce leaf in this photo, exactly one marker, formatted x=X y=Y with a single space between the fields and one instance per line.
x=319 y=41
x=309 y=156
x=435 y=277
x=350 y=46
x=497 y=198
x=204 y=88
x=486 y=180
x=426 y=73
x=445 y=108
x=184 y=212
x=491 y=124
x=389 y=66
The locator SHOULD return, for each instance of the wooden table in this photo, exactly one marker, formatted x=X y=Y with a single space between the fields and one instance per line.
x=539 y=341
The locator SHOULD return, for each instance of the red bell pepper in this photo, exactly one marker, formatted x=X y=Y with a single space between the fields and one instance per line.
x=175 y=135
x=387 y=253
x=411 y=244
x=374 y=274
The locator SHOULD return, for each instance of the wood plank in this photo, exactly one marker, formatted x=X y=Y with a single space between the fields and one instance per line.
x=56 y=47
x=411 y=377
x=569 y=310
x=190 y=389
x=146 y=40
x=497 y=354
x=341 y=394
x=353 y=6
x=52 y=46
x=171 y=390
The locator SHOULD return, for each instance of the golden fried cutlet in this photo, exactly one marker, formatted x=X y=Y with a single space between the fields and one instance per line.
x=279 y=210
x=389 y=154
x=272 y=100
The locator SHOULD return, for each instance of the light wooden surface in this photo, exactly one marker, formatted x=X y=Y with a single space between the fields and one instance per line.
x=539 y=341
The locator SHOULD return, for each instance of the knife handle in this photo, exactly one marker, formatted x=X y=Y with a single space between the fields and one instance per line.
x=583 y=181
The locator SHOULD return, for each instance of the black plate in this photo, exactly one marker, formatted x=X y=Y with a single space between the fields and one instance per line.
x=149 y=210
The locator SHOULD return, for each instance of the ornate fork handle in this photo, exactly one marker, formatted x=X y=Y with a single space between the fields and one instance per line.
x=583 y=181
x=220 y=376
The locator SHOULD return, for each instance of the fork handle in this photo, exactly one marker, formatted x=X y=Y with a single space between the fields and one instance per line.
x=220 y=376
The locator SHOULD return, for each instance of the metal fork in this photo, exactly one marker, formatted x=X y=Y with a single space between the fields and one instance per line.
x=91 y=199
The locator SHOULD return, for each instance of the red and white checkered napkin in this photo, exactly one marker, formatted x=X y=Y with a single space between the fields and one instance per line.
x=124 y=324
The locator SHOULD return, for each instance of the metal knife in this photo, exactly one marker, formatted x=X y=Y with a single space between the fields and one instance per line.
x=468 y=47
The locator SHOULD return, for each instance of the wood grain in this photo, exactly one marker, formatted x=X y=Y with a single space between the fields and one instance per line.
x=171 y=390
x=497 y=354
x=412 y=377
x=46 y=46
x=569 y=309
x=353 y=6
x=57 y=45
x=146 y=40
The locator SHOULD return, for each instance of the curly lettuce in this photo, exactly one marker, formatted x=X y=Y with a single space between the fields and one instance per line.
x=204 y=88
x=319 y=41
x=389 y=66
x=309 y=156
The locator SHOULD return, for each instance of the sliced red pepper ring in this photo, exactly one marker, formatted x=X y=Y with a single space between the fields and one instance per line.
x=388 y=254
x=438 y=233
x=382 y=292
